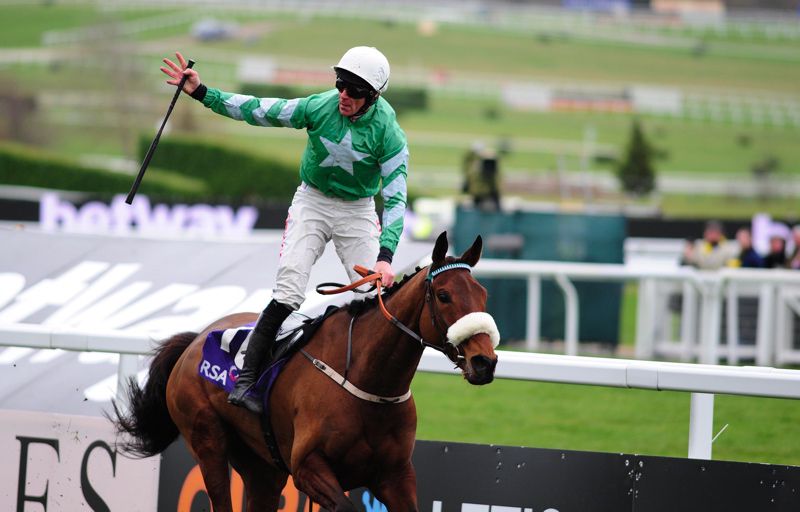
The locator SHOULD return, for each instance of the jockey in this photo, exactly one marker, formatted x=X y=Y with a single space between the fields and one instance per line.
x=355 y=148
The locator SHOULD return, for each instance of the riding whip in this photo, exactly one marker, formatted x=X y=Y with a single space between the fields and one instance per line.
x=153 y=145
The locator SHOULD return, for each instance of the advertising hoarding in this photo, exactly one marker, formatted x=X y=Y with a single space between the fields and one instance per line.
x=56 y=462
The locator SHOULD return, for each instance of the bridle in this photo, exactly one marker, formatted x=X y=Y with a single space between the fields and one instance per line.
x=453 y=353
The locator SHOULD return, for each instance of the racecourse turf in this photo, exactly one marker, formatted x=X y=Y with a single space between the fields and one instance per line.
x=573 y=417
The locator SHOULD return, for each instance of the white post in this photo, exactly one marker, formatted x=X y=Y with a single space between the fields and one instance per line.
x=701 y=425
x=782 y=327
x=766 y=317
x=787 y=306
x=688 y=321
x=661 y=319
x=570 y=315
x=533 y=326
x=710 y=320
x=645 y=331
x=128 y=367
x=732 y=310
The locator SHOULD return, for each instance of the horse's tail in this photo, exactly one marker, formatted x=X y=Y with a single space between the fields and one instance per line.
x=149 y=427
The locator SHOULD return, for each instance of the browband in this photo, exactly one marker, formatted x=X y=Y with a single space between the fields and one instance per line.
x=445 y=268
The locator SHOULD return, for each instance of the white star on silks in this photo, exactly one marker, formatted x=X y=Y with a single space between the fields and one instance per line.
x=342 y=154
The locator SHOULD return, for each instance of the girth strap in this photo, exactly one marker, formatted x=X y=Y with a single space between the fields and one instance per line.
x=272 y=443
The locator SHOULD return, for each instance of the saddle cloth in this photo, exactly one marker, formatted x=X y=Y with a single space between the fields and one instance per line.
x=223 y=352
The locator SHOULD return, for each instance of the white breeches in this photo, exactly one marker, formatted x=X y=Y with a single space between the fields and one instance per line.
x=313 y=220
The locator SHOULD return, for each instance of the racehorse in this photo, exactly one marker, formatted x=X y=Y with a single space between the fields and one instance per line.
x=329 y=438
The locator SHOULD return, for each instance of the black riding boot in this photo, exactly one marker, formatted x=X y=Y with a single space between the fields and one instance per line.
x=259 y=347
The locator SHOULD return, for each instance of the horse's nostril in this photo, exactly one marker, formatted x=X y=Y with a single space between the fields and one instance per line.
x=482 y=370
x=482 y=364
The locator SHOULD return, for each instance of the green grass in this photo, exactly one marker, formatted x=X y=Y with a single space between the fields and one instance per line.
x=720 y=207
x=439 y=137
x=627 y=315
x=688 y=146
x=574 y=417
x=24 y=25
x=525 y=56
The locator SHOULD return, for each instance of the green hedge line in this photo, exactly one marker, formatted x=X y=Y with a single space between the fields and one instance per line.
x=406 y=99
x=229 y=174
x=277 y=90
x=25 y=166
x=202 y=171
x=402 y=99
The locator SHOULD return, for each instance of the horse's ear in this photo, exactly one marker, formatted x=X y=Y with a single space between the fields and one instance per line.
x=473 y=254
x=440 y=249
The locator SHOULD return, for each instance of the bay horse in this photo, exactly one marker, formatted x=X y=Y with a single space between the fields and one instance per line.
x=329 y=439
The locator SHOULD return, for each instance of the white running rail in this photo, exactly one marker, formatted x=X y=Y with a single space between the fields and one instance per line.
x=703 y=381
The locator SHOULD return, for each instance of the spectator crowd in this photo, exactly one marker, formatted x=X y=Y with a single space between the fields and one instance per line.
x=714 y=251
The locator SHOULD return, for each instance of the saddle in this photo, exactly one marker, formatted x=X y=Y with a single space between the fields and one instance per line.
x=295 y=333
x=223 y=350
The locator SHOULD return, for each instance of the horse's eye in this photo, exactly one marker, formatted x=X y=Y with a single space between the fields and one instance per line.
x=443 y=296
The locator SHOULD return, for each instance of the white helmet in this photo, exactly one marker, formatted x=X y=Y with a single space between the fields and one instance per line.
x=367 y=63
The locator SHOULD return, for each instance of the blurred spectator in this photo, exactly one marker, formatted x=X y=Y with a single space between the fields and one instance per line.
x=748 y=257
x=712 y=252
x=480 y=168
x=794 y=260
x=777 y=252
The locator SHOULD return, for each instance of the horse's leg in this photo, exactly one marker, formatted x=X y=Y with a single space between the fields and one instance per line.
x=398 y=491
x=208 y=443
x=314 y=477
x=263 y=483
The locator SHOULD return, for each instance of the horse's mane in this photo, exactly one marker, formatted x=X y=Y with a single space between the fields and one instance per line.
x=358 y=306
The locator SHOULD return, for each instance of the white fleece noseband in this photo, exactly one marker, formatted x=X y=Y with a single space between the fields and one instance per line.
x=471 y=324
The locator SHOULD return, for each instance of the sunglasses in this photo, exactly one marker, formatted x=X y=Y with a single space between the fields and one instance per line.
x=354 y=91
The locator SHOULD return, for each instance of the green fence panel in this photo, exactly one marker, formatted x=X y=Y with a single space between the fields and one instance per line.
x=549 y=237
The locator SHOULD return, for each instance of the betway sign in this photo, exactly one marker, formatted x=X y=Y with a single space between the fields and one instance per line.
x=58 y=214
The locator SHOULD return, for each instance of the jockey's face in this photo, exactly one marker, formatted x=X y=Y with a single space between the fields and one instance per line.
x=349 y=106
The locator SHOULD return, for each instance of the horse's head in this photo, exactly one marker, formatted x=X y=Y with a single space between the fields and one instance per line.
x=457 y=312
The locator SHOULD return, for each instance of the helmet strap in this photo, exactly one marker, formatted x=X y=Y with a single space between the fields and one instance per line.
x=370 y=100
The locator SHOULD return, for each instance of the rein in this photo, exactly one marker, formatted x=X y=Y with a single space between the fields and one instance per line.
x=453 y=353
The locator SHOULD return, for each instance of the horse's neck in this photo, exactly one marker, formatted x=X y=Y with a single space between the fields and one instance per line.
x=388 y=356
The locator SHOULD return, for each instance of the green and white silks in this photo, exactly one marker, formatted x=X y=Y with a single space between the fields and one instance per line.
x=343 y=159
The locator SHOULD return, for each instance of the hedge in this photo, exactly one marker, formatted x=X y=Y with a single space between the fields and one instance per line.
x=229 y=174
x=25 y=166
x=406 y=99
